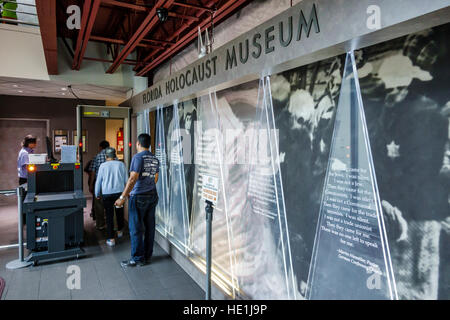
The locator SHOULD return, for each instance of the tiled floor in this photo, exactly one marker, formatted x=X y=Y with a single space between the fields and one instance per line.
x=102 y=277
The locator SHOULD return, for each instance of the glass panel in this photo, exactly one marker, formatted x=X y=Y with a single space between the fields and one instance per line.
x=351 y=255
x=209 y=155
x=264 y=268
x=178 y=229
x=162 y=187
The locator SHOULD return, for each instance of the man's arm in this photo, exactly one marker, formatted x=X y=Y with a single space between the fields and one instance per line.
x=134 y=176
x=98 y=183
x=91 y=181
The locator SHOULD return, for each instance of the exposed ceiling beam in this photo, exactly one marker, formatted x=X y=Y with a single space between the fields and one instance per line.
x=46 y=10
x=90 y=11
x=149 y=22
x=158 y=41
x=220 y=14
x=176 y=34
x=125 y=5
x=192 y=6
x=122 y=42
x=182 y=16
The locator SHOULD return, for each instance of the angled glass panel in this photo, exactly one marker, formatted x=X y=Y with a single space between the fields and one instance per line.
x=178 y=219
x=264 y=268
x=209 y=160
x=162 y=186
x=351 y=255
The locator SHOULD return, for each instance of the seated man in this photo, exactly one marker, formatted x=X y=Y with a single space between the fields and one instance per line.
x=111 y=179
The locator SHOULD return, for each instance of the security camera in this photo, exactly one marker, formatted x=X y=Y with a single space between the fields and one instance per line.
x=162 y=13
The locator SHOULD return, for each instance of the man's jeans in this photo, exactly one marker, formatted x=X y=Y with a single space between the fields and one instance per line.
x=141 y=220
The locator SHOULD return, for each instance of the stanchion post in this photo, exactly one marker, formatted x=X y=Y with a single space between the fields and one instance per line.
x=19 y=263
x=20 y=221
x=209 y=217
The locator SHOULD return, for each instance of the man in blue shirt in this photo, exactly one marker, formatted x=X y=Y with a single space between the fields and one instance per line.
x=111 y=180
x=28 y=145
x=99 y=209
x=144 y=172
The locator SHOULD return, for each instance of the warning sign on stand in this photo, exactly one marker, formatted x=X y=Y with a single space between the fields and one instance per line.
x=210 y=188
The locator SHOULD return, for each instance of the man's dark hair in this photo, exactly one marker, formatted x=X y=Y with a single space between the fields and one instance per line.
x=104 y=144
x=144 y=140
x=28 y=140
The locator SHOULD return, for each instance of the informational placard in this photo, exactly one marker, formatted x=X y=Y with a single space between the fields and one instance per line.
x=60 y=138
x=210 y=188
x=351 y=257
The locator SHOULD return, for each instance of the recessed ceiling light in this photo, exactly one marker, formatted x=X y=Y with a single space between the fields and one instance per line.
x=64 y=89
x=15 y=86
x=20 y=91
x=63 y=93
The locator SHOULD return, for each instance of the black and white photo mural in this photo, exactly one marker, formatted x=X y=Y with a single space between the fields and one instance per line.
x=272 y=157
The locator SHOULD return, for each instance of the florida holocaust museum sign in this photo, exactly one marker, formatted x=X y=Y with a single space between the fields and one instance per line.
x=310 y=31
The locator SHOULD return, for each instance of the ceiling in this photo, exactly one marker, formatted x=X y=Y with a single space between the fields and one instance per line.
x=58 y=89
x=127 y=26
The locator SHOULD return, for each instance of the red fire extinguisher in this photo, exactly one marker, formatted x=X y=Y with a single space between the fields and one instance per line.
x=120 y=140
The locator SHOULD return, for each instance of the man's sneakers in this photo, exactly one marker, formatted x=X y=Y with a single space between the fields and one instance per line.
x=128 y=263
x=132 y=263
x=111 y=243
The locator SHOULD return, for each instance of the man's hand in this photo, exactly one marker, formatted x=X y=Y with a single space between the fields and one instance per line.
x=119 y=202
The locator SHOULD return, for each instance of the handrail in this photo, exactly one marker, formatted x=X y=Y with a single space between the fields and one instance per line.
x=8 y=192
x=18 y=3
x=14 y=21
x=22 y=12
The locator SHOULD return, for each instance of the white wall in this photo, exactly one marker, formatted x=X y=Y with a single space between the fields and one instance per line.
x=22 y=53
x=93 y=72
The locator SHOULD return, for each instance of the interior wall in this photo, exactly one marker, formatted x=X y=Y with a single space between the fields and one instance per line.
x=22 y=53
x=62 y=115
x=111 y=128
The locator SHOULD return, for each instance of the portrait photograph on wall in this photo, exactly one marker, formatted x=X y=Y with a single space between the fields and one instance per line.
x=403 y=89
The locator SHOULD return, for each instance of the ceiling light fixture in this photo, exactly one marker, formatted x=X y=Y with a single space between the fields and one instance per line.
x=15 y=86
x=64 y=89
x=20 y=91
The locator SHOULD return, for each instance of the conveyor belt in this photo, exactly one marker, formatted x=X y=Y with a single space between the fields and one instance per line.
x=55 y=196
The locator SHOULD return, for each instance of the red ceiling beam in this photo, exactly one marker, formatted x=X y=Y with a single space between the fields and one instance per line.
x=124 y=5
x=158 y=41
x=192 y=6
x=220 y=14
x=122 y=42
x=176 y=34
x=149 y=22
x=46 y=10
x=182 y=16
x=126 y=61
x=90 y=10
